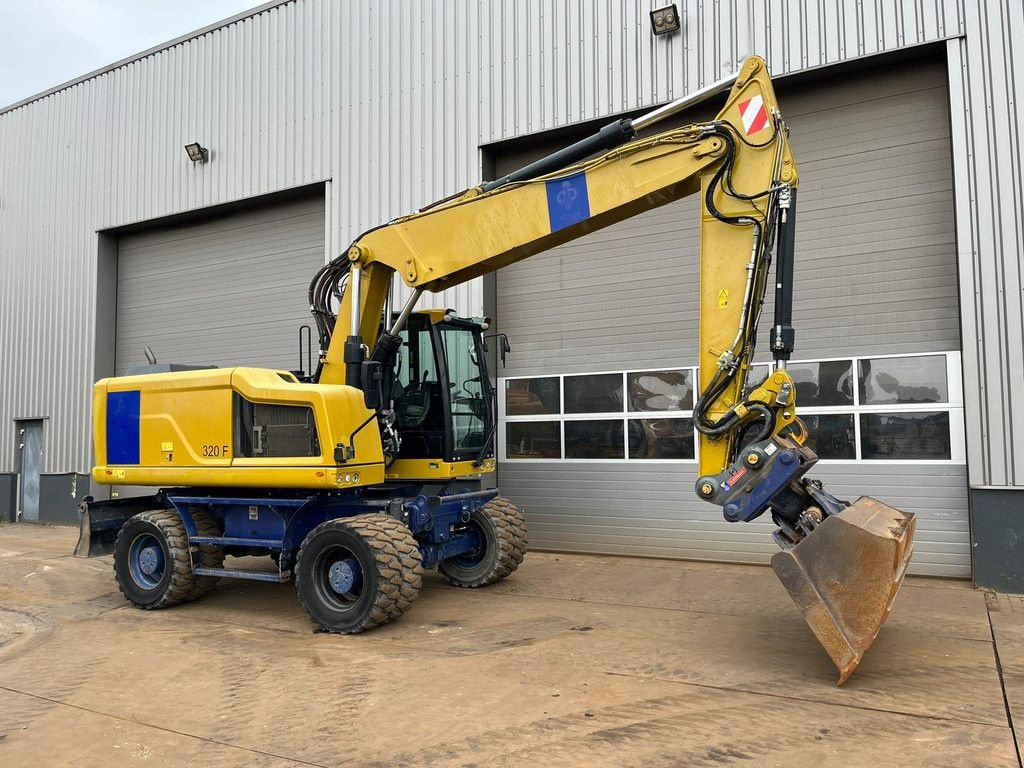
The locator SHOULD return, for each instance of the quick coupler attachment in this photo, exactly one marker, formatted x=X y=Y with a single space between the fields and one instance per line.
x=842 y=563
x=761 y=478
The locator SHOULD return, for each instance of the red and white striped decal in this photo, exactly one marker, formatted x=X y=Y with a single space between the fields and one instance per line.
x=753 y=114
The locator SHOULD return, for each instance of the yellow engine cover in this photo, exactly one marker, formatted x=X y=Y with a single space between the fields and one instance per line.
x=184 y=428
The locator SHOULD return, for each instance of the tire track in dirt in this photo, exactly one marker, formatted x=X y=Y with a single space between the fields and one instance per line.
x=922 y=692
x=692 y=729
x=18 y=711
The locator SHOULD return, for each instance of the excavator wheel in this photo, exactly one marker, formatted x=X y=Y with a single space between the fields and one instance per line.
x=152 y=563
x=210 y=555
x=357 y=573
x=501 y=528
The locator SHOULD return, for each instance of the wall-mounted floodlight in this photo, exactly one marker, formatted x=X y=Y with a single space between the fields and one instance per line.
x=197 y=153
x=665 y=20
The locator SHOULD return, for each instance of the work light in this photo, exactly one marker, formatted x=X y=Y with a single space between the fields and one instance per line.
x=197 y=153
x=665 y=20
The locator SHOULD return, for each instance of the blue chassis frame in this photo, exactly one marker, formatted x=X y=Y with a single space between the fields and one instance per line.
x=280 y=521
x=281 y=524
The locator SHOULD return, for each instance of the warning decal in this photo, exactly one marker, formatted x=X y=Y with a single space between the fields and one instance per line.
x=753 y=114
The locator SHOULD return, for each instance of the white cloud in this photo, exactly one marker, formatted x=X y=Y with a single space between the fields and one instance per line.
x=44 y=43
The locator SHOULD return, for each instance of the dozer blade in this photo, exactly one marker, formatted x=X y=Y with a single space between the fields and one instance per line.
x=845 y=575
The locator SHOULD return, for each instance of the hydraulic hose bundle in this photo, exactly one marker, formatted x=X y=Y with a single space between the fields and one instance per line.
x=327 y=284
x=741 y=354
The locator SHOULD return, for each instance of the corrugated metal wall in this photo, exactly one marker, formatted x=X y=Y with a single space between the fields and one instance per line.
x=668 y=520
x=986 y=76
x=387 y=100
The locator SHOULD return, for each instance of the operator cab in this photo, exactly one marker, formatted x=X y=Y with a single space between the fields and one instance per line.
x=443 y=398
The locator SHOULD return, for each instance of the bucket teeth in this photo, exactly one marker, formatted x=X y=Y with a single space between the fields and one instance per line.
x=845 y=575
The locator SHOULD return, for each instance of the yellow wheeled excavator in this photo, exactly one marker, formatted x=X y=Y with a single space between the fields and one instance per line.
x=350 y=477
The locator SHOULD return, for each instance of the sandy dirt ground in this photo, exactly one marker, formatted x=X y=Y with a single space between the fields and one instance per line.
x=573 y=661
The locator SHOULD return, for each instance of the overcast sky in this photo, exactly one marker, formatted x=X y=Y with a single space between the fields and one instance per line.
x=44 y=43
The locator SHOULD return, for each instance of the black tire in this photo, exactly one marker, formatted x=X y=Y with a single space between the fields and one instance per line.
x=503 y=530
x=209 y=555
x=161 y=532
x=382 y=588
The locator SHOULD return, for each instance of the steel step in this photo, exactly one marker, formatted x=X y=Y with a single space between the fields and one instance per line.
x=237 y=541
x=242 y=573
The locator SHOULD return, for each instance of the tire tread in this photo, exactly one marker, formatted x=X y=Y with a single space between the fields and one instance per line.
x=182 y=584
x=513 y=539
x=398 y=561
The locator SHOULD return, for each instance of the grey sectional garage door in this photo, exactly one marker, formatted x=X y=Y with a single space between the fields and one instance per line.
x=876 y=276
x=224 y=291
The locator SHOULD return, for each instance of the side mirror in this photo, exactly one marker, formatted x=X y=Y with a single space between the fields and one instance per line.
x=505 y=347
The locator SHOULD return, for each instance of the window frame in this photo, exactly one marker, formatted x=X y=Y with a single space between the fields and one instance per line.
x=954 y=406
x=624 y=414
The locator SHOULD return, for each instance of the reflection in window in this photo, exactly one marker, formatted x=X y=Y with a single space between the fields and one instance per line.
x=469 y=407
x=843 y=432
x=660 y=390
x=661 y=439
x=756 y=374
x=533 y=440
x=531 y=397
x=601 y=439
x=829 y=382
x=831 y=436
x=903 y=380
x=922 y=435
x=593 y=393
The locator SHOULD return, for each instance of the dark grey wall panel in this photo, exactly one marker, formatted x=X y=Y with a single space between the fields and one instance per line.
x=59 y=497
x=226 y=291
x=8 y=496
x=997 y=517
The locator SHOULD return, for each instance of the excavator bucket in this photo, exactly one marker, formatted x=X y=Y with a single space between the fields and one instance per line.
x=845 y=575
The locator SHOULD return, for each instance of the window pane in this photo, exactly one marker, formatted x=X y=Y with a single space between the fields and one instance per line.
x=756 y=374
x=533 y=440
x=922 y=435
x=530 y=397
x=594 y=439
x=661 y=439
x=831 y=436
x=826 y=383
x=660 y=390
x=903 y=380
x=593 y=393
x=469 y=408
